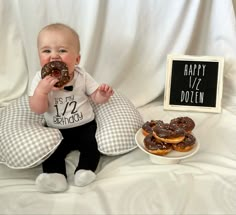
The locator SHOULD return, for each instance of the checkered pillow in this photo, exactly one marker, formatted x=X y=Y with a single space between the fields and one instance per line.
x=117 y=122
x=24 y=141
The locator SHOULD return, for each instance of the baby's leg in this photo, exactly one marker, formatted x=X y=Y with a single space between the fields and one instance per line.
x=88 y=162
x=53 y=178
x=89 y=156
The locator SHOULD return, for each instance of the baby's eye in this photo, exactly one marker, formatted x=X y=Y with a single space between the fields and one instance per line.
x=46 y=51
x=62 y=51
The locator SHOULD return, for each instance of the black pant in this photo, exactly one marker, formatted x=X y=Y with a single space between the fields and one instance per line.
x=80 y=138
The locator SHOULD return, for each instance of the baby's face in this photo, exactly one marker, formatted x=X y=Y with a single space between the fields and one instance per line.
x=58 y=45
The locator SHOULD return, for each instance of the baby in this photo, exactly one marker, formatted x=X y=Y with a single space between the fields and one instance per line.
x=69 y=111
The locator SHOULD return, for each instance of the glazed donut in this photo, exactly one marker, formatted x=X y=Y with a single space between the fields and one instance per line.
x=148 y=126
x=169 y=133
x=184 y=122
x=185 y=145
x=156 y=146
x=56 y=69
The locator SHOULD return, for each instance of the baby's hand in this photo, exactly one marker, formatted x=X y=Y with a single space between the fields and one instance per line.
x=47 y=84
x=105 y=90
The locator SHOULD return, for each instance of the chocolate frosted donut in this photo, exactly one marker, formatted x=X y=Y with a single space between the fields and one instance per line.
x=184 y=122
x=185 y=145
x=168 y=131
x=156 y=146
x=57 y=69
x=148 y=126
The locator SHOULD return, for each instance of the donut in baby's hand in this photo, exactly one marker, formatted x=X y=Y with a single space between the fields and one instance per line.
x=169 y=133
x=57 y=69
x=186 y=145
x=156 y=146
x=184 y=122
x=148 y=126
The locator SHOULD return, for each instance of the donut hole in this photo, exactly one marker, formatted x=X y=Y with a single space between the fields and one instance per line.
x=56 y=73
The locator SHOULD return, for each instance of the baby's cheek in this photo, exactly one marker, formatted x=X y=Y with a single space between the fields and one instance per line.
x=43 y=61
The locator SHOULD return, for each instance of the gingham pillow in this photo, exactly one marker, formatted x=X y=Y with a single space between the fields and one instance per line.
x=24 y=141
x=117 y=122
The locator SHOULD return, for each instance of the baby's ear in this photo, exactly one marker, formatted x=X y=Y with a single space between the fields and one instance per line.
x=78 y=59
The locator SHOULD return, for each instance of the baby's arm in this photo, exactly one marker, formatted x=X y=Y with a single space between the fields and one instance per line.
x=102 y=94
x=39 y=100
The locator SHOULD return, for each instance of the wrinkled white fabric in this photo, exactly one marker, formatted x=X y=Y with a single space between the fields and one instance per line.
x=123 y=43
x=132 y=184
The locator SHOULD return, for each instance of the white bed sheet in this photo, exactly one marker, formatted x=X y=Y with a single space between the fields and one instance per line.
x=131 y=184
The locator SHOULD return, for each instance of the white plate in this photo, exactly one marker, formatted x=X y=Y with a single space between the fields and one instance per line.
x=171 y=158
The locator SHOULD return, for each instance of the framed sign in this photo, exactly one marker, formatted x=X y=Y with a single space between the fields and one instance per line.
x=194 y=83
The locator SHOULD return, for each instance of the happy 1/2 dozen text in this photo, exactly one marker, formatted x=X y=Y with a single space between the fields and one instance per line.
x=195 y=73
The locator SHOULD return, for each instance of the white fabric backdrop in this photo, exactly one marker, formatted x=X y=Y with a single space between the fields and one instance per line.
x=123 y=42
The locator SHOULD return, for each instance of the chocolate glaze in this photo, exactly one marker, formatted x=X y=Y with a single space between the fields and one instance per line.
x=189 y=140
x=184 y=122
x=56 y=69
x=149 y=125
x=168 y=131
x=152 y=143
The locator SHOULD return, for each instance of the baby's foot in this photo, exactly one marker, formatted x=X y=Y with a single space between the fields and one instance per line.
x=84 y=177
x=51 y=182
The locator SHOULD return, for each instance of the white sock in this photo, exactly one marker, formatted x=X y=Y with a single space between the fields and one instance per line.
x=84 y=177
x=51 y=182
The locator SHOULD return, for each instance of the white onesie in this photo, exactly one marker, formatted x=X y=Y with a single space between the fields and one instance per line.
x=68 y=109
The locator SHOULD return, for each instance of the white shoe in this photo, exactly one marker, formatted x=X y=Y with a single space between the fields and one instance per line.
x=51 y=182
x=84 y=177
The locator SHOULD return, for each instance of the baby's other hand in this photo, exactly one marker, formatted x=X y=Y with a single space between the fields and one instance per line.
x=105 y=90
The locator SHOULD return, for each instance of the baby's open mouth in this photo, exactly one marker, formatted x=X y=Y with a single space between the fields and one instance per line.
x=56 y=74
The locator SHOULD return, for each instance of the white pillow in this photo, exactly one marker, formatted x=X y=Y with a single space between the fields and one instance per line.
x=117 y=122
x=24 y=141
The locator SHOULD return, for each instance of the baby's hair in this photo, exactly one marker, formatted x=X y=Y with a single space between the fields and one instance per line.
x=61 y=26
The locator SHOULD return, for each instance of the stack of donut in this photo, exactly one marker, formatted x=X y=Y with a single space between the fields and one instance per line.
x=161 y=138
